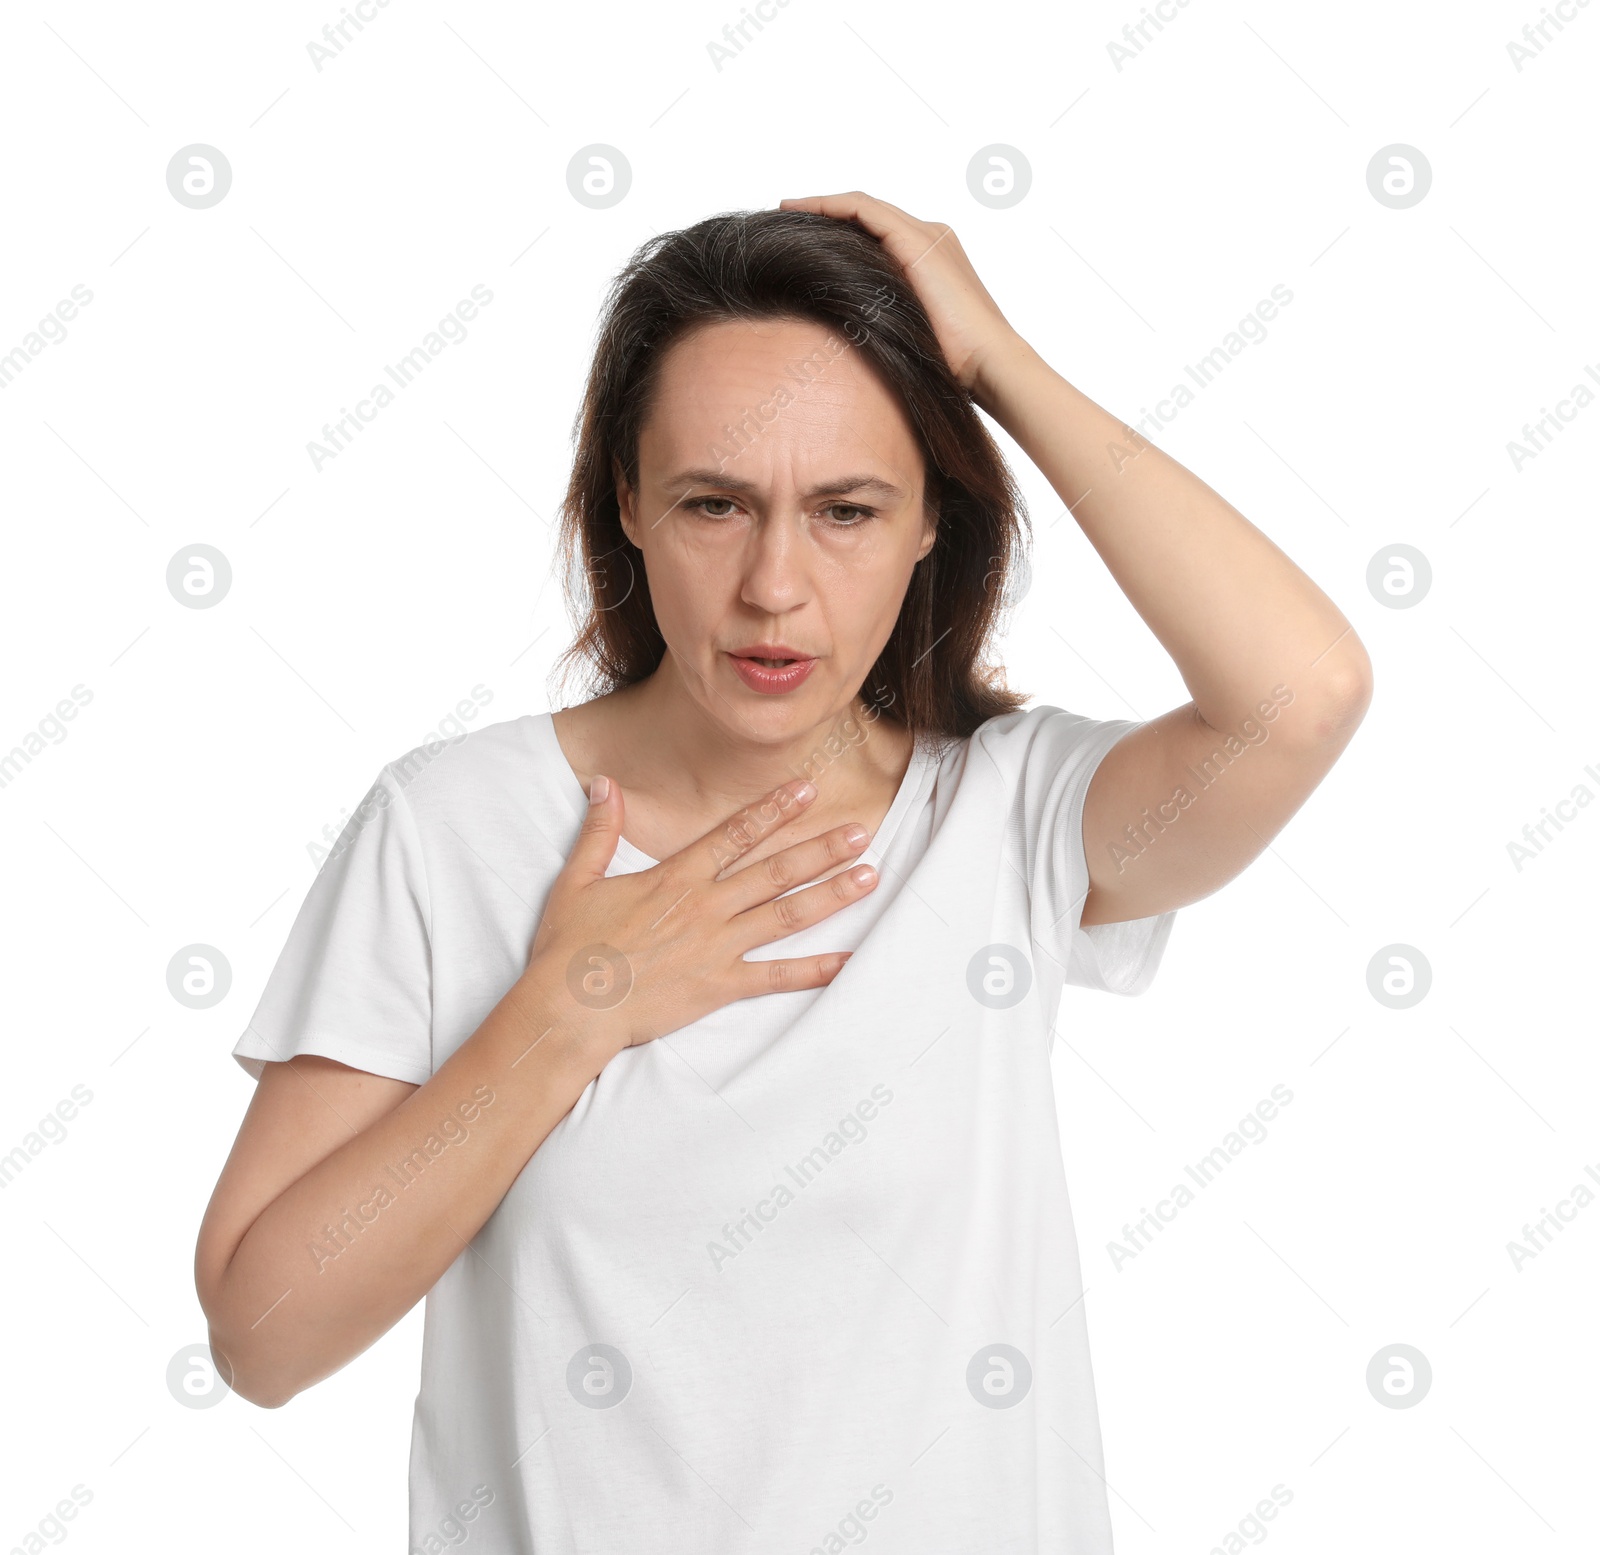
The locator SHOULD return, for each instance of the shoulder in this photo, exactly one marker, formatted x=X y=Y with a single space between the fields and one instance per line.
x=1044 y=730
x=1040 y=755
x=446 y=771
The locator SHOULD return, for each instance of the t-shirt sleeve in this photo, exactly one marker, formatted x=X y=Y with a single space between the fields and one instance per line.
x=354 y=979
x=1060 y=760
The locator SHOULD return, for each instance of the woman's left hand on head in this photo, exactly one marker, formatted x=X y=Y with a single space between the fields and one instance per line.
x=970 y=326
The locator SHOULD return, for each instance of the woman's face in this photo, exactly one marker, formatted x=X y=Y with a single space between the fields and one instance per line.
x=779 y=508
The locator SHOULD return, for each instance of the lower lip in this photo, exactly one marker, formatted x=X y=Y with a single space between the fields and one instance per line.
x=771 y=682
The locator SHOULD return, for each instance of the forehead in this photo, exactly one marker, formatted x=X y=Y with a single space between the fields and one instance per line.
x=769 y=394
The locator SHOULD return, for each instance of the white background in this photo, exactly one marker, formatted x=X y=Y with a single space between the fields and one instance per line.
x=1167 y=199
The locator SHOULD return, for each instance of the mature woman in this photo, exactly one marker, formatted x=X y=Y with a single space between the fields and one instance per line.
x=733 y=1241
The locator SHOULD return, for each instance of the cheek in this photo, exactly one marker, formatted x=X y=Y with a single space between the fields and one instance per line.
x=863 y=592
x=688 y=584
x=874 y=562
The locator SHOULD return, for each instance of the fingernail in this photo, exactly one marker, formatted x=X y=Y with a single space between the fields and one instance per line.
x=599 y=787
x=804 y=791
x=856 y=836
x=865 y=875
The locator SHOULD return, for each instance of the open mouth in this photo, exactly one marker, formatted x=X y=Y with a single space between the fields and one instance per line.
x=772 y=674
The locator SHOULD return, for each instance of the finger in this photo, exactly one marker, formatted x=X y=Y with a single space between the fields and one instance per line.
x=884 y=221
x=908 y=240
x=707 y=856
x=800 y=909
x=793 y=866
x=853 y=204
x=596 y=846
x=761 y=977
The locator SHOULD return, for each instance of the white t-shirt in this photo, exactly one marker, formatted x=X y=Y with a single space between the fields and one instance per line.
x=796 y=1275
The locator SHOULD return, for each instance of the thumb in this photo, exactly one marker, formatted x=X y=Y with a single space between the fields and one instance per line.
x=596 y=846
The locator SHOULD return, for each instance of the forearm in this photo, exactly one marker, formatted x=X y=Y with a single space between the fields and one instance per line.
x=1237 y=616
x=338 y=1258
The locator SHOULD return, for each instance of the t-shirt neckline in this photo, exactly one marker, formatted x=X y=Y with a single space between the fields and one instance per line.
x=910 y=787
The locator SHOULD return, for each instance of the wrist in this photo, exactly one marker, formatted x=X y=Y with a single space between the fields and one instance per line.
x=569 y=1033
x=1006 y=361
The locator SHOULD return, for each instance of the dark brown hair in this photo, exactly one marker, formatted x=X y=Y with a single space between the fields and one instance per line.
x=932 y=675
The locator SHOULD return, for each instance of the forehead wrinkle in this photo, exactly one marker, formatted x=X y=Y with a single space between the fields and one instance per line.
x=836 y=450
x=909 y=478
x=820 y=425
x=684 y=426
x=725 y=385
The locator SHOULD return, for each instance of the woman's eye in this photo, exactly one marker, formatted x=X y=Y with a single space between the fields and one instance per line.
x=845 y=515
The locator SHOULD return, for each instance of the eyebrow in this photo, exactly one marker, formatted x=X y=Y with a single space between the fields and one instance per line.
x=843 y=485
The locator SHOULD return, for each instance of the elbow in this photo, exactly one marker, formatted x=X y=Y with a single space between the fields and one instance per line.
x=250 y=1366
x=260 y=1384
x=1333 y=711
x=264 y=1400
x=257 y=1378
x=265 y=1363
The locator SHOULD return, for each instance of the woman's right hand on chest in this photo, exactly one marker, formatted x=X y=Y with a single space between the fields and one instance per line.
x=628 y=958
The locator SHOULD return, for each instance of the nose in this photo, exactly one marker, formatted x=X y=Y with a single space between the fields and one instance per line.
x=776 y=576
